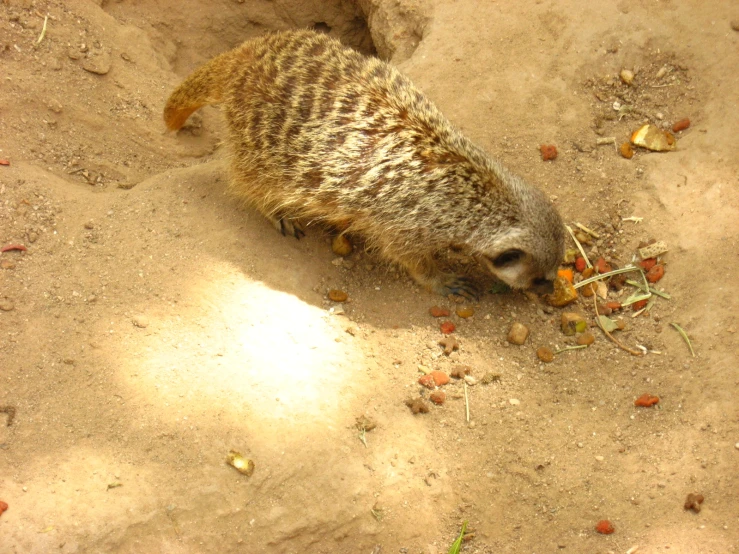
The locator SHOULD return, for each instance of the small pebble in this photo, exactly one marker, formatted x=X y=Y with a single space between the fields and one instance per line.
x=627 y=76
x=7 y=264
x=586 y=339
x=518 y=334
x=466 y=312
x=470 y=380
x=32 y=237
x=341 y=246
x=6 y=305
x=438 y=397
x=514 y=401
x=545 y=354
x=438 y=311
x=599 y=458
x=735 y=24
x=337 y=295
x=140 y=321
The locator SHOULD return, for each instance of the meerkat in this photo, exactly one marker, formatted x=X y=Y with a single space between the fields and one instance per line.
x=321 y=133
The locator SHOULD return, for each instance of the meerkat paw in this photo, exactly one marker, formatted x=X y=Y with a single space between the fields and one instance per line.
x=459 y=285
x=288 y=227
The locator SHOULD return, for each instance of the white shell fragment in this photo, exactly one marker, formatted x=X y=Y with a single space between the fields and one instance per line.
x=653 y=138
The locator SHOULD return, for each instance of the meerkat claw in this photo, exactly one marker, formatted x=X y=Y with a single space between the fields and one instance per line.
x=462 y=286
x=289 y=227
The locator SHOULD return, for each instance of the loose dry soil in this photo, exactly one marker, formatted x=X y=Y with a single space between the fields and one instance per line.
x=154 y=324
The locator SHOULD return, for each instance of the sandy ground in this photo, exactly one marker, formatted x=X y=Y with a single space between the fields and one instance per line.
x=153 y=323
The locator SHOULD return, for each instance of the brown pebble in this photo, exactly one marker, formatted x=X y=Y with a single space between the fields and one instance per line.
x=626 y=150
x=417 y=406
x=337 y=295
x=586 y=339
x=438 y=311
x=518 y=334
x=693 y=502
x=341 y=246
x=6 y=305
x=460 y=371
x=7 y=264
x=466 y=312
x=545 y=354
x=548 y=152
x=438 y=397
x=681 y=125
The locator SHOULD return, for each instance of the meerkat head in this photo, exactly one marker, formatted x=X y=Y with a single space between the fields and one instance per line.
x=526 y=251
x=524 y=264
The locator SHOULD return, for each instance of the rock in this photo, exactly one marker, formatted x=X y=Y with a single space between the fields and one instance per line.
x=438 y=397
x=99 y=64
x=337 y=295
x=417 y=406
x=460 y=371
x=586 y=339
x=572 y=322
x=545 y=354
x=693 y=502
x=32 y=237
x=514 y=401
x=470 y=380
x=627 y=76
x=465 y=312
x=438 y=311
x=518 y=334
x=140 y=321
x=341 y=246
x=6 y=305
x=450 y=344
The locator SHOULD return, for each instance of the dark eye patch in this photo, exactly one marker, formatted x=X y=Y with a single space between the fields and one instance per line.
x=507 y=257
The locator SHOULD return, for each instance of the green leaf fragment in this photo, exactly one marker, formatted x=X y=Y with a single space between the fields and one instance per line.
x=684 y=335
x=607 y=324
x=457 y=545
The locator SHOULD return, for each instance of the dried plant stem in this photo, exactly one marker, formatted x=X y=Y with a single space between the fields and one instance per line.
x=579 y=246
x=610 y=336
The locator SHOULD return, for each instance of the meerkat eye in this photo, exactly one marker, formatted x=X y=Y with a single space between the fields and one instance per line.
x=507 y=257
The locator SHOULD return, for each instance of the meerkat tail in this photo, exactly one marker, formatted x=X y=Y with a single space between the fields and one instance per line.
x=204 y=86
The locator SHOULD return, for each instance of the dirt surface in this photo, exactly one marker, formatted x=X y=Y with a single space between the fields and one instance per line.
x=153 y=324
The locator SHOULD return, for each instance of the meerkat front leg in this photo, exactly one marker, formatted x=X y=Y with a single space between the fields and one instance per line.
x=287 y=226
x=427 y=274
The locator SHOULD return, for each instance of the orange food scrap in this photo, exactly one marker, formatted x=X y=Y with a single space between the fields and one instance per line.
x=605 y=527
x=440 y=378
x=639 y=305
x=580 y=264
x=548 y=152
x=656 y=273
x=4 y=162
x=648 y=263
x=567 y=274
x=602 y=266
x=681 y=125
x=427 y=381
x=3 y=507
x=613 y=305
x=646 y=401
x=448 y=327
